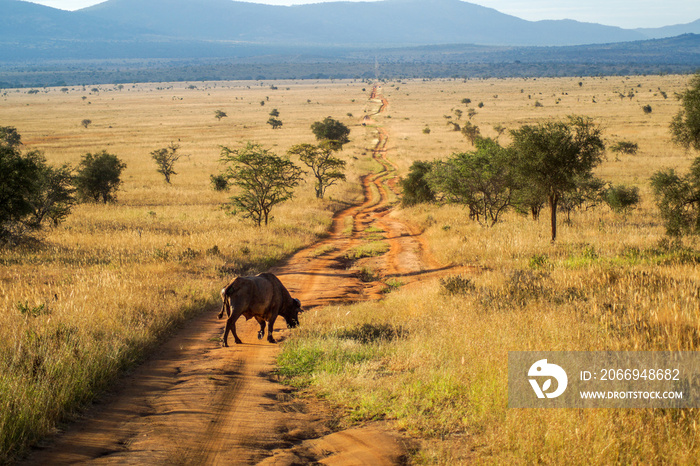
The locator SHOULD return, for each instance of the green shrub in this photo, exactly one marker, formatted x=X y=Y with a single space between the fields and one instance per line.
x=621 y=198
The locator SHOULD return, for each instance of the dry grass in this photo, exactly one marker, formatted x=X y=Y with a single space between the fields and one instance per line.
x=435 y=363
x=100 y=290
x=105 y=286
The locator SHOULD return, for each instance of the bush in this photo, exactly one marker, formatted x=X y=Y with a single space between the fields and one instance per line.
x=31 y=192
x=415 y=186
x=625 y=147
x=678 y=199
x=219 y=182
x=331 y=130
x=99 y=177
x=456 y=284
x=620 y=198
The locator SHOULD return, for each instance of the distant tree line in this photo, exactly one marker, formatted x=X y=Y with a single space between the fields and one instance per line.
x=70 y=75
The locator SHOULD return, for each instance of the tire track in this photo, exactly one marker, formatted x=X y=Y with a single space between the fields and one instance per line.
x=194 y=402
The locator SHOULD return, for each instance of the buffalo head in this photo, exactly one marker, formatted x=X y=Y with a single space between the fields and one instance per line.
x=291 y=314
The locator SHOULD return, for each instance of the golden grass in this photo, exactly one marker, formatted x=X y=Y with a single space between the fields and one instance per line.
x=436 y=364
x=105 y=286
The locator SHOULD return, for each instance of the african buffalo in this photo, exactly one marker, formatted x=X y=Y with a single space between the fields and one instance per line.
x=263 y=297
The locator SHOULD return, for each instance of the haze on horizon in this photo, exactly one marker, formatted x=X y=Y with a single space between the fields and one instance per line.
x=629 y=14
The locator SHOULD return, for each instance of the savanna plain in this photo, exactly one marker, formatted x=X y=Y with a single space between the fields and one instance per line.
x=95 y=294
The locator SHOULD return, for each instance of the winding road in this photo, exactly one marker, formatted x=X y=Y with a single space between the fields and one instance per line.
x=194 y=402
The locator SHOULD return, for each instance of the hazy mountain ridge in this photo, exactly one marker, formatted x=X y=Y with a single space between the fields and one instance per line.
x=382 y=24
x=422 y=31
x=675 y=55
x=29 y=21
x=388 y=23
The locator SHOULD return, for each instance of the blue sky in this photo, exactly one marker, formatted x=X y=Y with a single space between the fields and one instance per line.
x=623 y=13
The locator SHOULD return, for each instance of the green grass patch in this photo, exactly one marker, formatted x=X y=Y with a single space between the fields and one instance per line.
x=586 y=256
x=323 y=250
x=365 y=368
x=370 y=165
x=348 y=226
x=302 y=360
x=370 y=249
x=392 y=284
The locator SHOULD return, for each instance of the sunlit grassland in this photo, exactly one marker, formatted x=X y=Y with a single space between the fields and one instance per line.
x=101 y=289
x=97 y=292
x=434 y=363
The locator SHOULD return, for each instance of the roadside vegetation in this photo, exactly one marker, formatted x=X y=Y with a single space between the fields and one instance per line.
x=89 y=291
x=91 y=295
x=433 y=360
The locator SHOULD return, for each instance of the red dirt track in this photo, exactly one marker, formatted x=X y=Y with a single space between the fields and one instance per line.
x=194 y=402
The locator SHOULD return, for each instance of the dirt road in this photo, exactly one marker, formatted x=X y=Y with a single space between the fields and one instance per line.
x=195 y=402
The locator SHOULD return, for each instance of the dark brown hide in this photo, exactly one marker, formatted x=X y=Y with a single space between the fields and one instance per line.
x=262 y=297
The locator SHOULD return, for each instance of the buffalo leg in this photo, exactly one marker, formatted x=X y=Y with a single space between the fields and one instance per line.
x=227 y=327
x=261 y=333
x=231 y=325
x=271 y=324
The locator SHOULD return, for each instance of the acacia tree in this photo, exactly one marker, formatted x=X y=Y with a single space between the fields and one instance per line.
x=99 y=177
x=165 y=159
x=275 y=122
x=471 y=132
x=219 y=114
x=327 y=169
x=10 y=137
x=554 y=155
x=263 y=179
x=685 y=126
x=528 y=198
x=483 y=180
x=331 y=130
x=678 y=197
x=587 y=193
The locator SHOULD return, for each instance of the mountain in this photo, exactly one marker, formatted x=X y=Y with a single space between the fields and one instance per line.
x=177 y=29
x=24 y=21
x=672 y=31
x=382 y=24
